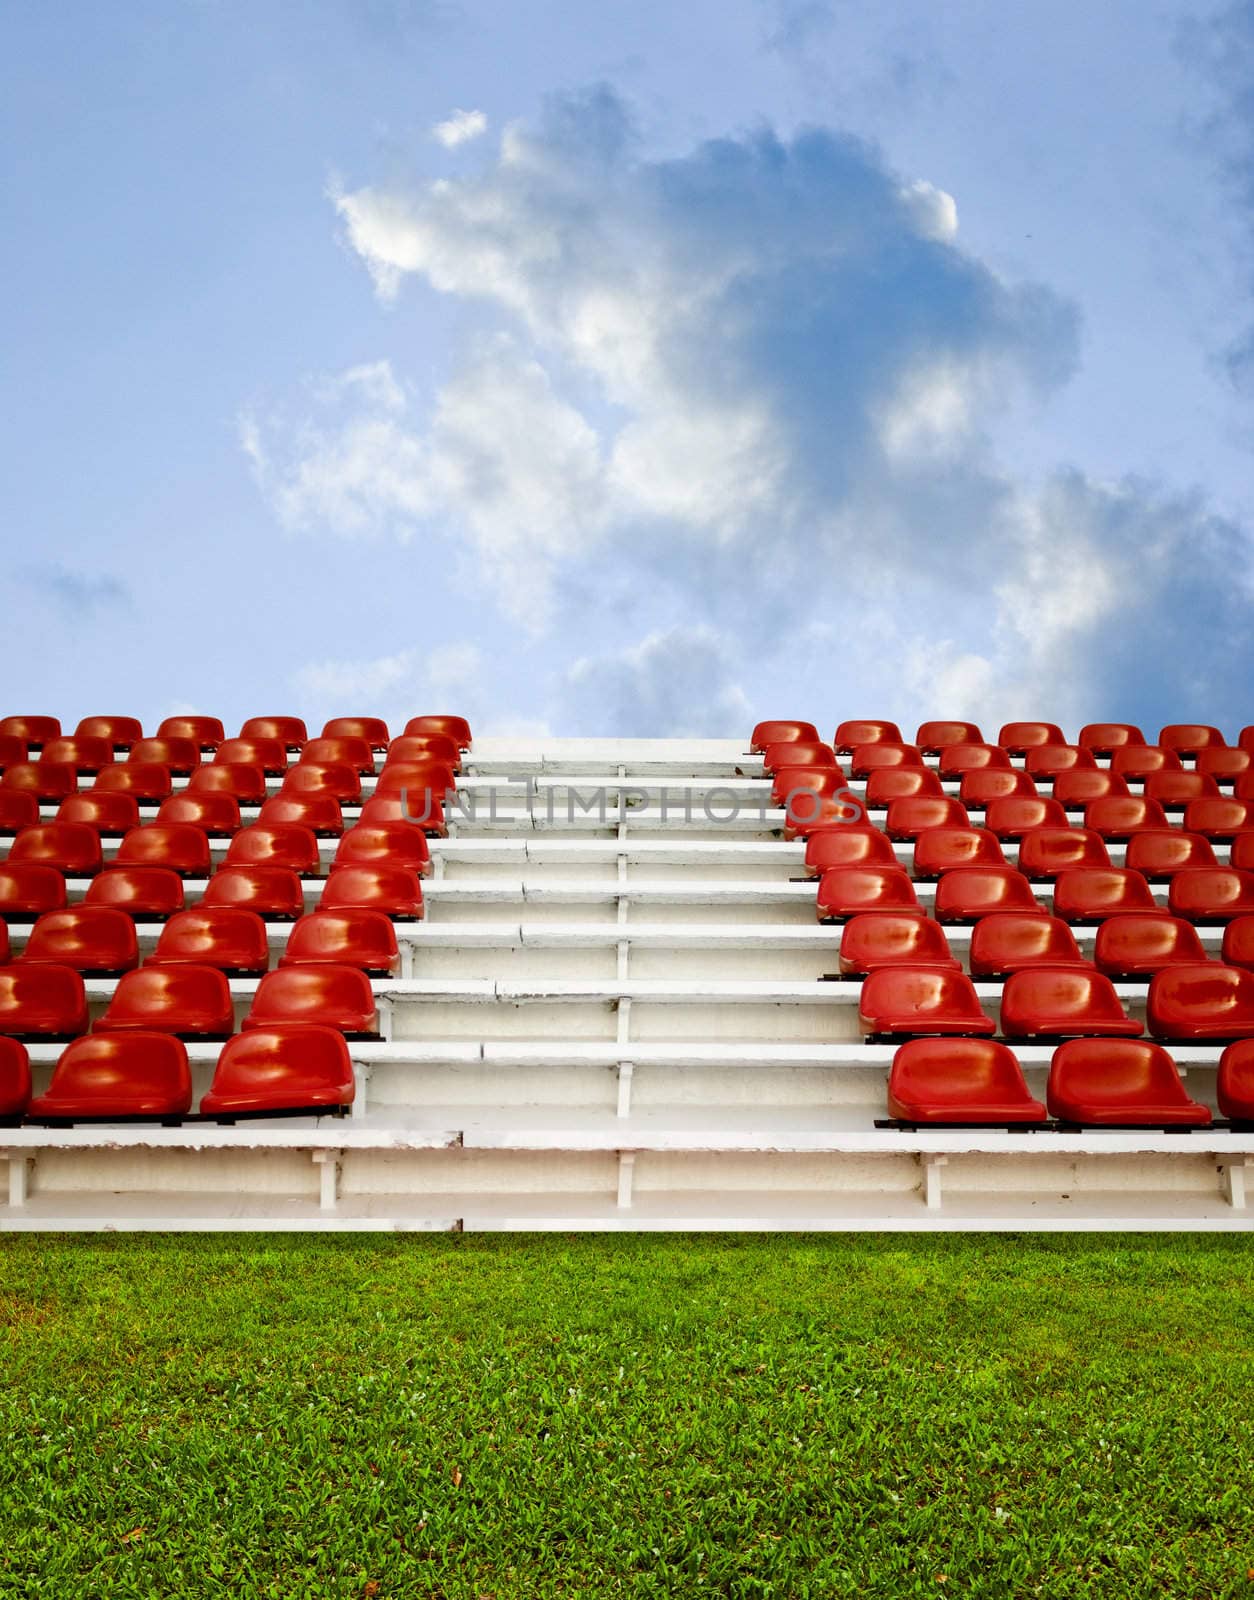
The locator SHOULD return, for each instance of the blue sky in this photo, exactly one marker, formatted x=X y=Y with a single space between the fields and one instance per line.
x=634 y=370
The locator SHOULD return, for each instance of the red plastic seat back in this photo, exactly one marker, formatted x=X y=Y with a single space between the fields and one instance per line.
x=939 y=1081
x=1088 y=894
x=393 y=890
x=1187 y=738
x=1223 y=763
x=92 y=939
x=331 y=996
x=887 y=784
x=33 y=729
x=1045 y=1002
x=1241 y=854
x=385 y=844
x=1212 y=894
x=213 y=814
x=12 y=751
x=354 y=938
x=281 y=1068
x=20 y=809
x=15 y=1085
x=335 y=778
x=775 y=756
x=801 y=781
x=968 y=893
x=291 y=730
x=1045 y=852
x=892 y=939
x=119 y=1075
x=439 y=747
x=1020 y=737
x=1137 y=946
x=139 y=891
x=47 y=780
x=1175 y=789
x=355 y=753
x=268 y=754
x=1119 y=1082
x=849 y=891
x=180 y=755
x=1139 y=761
x=957 y=759
x=30 y=890
x=418 y=777
x=1219 y=819
x=458 y=728
x=1234 y=1082
x=269 y=891
x=1104 y=738
x=980 y=788
x=933 y=737
x=372 y=729
x=938 y=850
x=142 y=780
x=1160 y=852
x=1012 y=941
x=206 y=732
x=80 y=751
x=1052 y=760
x=177 y=845
x=121 y=732
x=281 y=844
x=320 y=813
x=40 y=999
x=245 y=783
x=1208 y=1001
x=170 y=998
x=852 y=733
x=908 y=818
x=868 y=758
x=1238 y=946
x=898 y=1000
x=1015 y=815
x=1119 y=817
x=70 y=847
x=848 y=845
x=225 y=937
x=1075 y=789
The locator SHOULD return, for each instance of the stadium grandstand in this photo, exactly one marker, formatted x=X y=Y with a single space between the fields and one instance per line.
x=397 y=979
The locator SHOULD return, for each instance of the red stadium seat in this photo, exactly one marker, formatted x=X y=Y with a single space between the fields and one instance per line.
x=908 y=818
x=848 y=845
x=1208 y=1001
x=1076 y=788
x=15 y=1085
x=1140 y=761
x=1045 y=852
x=29 y=891
x=765 y=733
x=887 y=784
x=1119 y=1083
x=207 y=732
x=968 y=893
x=355 y=938
x=957 y=759
x=852 y=733
x=1160 y=852
x=425 y=747
x=938 y=850
x=774 y=756
x=808 y=813
x=1238 y=946
x=1187 y=738
x=893 y=939
x=1223 y=763
x=1012 y=942
x=1138 y=946
x=320 y=813
x=243 y=781
x=1219 y=819
x=1245 y=739
x=284 y=844
x=191 y=1002
x=1052 y=760
x=388 y=844
x=46 y=780
x=440 y=780
x=458 y=728
x=897 y=1000
x=269 y=891
x=176 y=845
x=35 y=730
x=1211 y=894
x=1104 y=738
x=849 y=891
x=111 y=1076
x=1020 y=737
x=980 y=788
x=80 y=751
x=20 y=809
x=330 y=996
x=1243 y=788
x=274 y=1070
x=355 y=753
x=1050 y=1002
x=234 y=941
x=268 y=754
x=144 y=781
x=1234 y=1082
x=179 y=755
x=71 y=847
x=787 y=782
x=336 y=779
x=869 y=758
x=121 y=732
x=291 y=730
x=1241 y=854
x=958 y=1081
x=1015 y=814
x=372 y=729
x=40 y=1000
x=1117 y=817
x=933 y=737
x=394 y=890
x=155 y=892
x=1090 y=894
x=216 y=815
x=13 y=751
x=94 y=940
x=1174 y=790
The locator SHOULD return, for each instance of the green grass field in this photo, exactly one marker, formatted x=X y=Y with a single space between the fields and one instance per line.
x=537 y=1416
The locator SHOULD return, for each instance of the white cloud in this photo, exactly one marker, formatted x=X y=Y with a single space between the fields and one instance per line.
x=459 y=128
x=671 y=684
